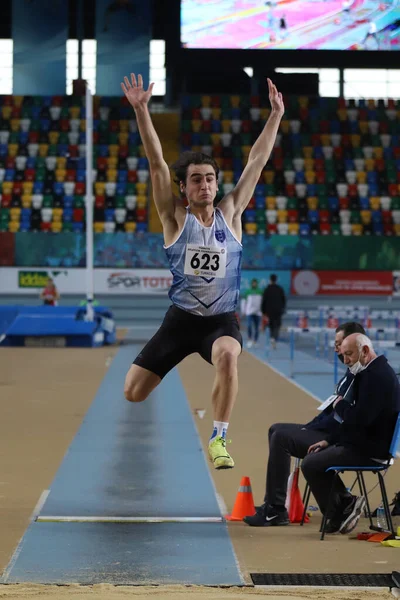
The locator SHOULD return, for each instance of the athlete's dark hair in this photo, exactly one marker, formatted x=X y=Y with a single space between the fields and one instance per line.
x=180 y=167
x=350 y=327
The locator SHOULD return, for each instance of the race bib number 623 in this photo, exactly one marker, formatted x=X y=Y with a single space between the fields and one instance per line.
x=205 y=261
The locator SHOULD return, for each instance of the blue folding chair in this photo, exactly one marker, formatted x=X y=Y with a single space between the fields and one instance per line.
x=360 y=470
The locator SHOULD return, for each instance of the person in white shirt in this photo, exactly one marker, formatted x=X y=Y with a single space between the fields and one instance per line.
x=252 y=310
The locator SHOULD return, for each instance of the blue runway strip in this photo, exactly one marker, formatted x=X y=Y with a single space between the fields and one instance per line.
x=131 y=460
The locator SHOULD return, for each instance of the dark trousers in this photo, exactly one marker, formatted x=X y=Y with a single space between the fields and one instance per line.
x=285 y=440
x=274 y=324
x=253 y=325
x=314 y=466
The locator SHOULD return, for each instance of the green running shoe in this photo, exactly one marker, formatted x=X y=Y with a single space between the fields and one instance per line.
x=218 y=454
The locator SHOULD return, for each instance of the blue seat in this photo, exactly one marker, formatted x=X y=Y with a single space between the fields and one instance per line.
x=260 y=202
x=143 y=163
x=333 y=203
x=299 y=177
x=67 y=214
x=9 y=175
x=68 y=201
x=80 y=175
x=313 y=216
x=77 y=227
x=134 y=138
x=121 y=188
x=304 y=229
x=141 y=227
x=38 y=187
x=122 y=176
x=31 y=162
x=109 y=214
x=364 y=203
x=58 y=188
x=249 y=216
x=377 y=228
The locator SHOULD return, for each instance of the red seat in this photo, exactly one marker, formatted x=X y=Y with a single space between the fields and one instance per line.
x=45 y=226
x=316 y=139
x=78 y=215
x=388 y=229
x=206 y=126
x=352 y=190
x=80 y=188
x=102 y=163
x=290 y=190
x=393 y=189
x=71 y=175
x=6 y=200
x=16 y=112
x=293 y=215
x=254 y=101
x=324 y=215
x=64 y=124
x=252 y=203
x=344 y=203
x=338 y=152
x=141 y=215
x=246 y=126
x=132 y=176
x=10 y=162
x=99 y=201
x=272 y=228
x=73 y=151
x=325 y=228
x=387 y=216
x=123 y=151
x=114 y=126
x=29 y=174
x=33 y=137
x=17 y=188
x=196 y=114
x=320 y=176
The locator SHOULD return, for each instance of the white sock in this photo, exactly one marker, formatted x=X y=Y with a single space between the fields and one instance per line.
x=220 y=429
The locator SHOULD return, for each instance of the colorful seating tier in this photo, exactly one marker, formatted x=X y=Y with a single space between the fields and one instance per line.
x=43 y=165
x=335 y=168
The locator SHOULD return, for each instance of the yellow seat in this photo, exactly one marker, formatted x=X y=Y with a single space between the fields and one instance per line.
x=130 y=227
x=43 y=150
x=57 y=214
x=309 y=164
x=112 y=162
x=206 y=101
x=365 y=216
x=216 y=113
x=235 y=101
x=141 y=189
x=342 y=114
x=250 y=228
x=99 y=188
x=141 y=201
x=312 y=203
x=325 y=139
x=26 y=201
x=375 y=203
x=82 y=125
x=75 y=112
x=18 y=100
x=142 y=152
x=124 y=125
x=228 y=176
x=61 y=162
x=112 y=175
x=14 y=124
x=271 y=202
x=7 y=187
x=264 y=113
x=196 y=149
x=215 y=139
x=269 y=177
x=303 y=101
x=15 y=213
x=60 y=175
x=113 y=149
x=53 y=137
x=355 y=140
x=361 y=177
x=310 y=176
x=285 y=126
x=282 y=216
x=13 y=150
x=13 y=226
x=226 y=125
x=308 y=151
x=357 y=229
x=397 y=228
x=246 y=151
x=123 y=137
x=196 y=125
x=363 y=125
x=98 y=227
x=370 y=164
x=27 y=187
x=56 y=226
x=378 y=152
x=293 y=228
x=6 y=112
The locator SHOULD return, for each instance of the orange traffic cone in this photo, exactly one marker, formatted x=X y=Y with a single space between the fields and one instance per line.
x=244 y=503
x=296 y=506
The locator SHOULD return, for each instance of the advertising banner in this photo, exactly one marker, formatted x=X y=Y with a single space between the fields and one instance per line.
x=343 y=283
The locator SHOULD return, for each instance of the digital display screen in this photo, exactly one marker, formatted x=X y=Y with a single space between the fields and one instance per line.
x=291 y=24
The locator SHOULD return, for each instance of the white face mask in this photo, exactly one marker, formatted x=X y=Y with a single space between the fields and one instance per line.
x=357 y=367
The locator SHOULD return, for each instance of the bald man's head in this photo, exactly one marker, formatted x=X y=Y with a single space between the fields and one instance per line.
x=357 y=348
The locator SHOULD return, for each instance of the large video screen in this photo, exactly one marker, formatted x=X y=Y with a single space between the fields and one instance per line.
x=291 y=24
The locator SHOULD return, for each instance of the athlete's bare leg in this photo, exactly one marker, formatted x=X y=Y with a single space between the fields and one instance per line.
x=139 y=383
x=224 y=355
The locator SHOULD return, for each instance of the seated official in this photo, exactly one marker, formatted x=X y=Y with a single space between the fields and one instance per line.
x=291 y=439
x=363 y=437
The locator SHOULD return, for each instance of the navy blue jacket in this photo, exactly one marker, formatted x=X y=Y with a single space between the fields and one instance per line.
x=369 y=422
x=325 y=420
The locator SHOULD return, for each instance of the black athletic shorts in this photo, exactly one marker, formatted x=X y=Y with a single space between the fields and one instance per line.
x=183 y=333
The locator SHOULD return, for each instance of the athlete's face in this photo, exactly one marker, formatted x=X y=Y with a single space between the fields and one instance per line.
x=201 y=185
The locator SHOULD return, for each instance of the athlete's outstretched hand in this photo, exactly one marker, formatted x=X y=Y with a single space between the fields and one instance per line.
x=135 y=91
x=275 y=98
